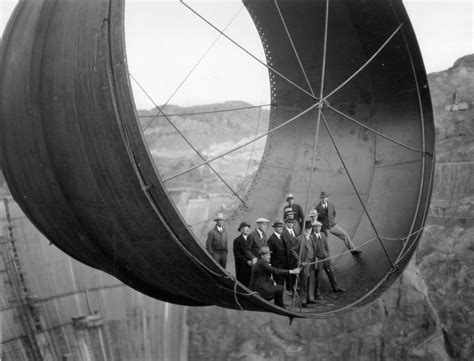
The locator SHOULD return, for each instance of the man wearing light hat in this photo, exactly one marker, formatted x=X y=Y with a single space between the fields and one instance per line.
x=299 y=214
x=258 y=236
x=281 y=250
x=244 y=258
x=313 y=216
x=290 y=215
x=216 y=243
x=261 y=281
x=289 y=236
x=327 y=216
x=305 y=251
x=322 y=255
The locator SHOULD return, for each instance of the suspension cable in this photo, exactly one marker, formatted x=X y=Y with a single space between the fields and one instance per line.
x=246 y=51
x=244 y=144
x=294 y=47
x=321 y=91
x=355 y=189
x=365 y=64
x=318 y=123
x=187 y=140
x=194 y=67
x=253 y=146
x=373 y=130
x=206 y=112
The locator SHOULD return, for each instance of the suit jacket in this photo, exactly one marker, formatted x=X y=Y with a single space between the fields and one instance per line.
x=261 y=278
x=216 y=241
x=322 y=248
x=327 y=216
x=299 y=214
x=281 y=251
x=291 y=240
x=257 y=242
x=243 y=250
x=305 y=246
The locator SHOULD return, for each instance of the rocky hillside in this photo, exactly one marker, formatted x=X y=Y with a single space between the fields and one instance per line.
x=211 y=129
x=428 y=314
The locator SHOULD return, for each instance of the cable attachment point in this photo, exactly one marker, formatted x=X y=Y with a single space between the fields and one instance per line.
x=394 y=269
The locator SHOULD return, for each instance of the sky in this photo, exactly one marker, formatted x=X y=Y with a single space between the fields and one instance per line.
x=165 y=41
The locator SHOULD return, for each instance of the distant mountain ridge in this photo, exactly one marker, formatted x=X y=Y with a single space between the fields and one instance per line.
x=203 y=130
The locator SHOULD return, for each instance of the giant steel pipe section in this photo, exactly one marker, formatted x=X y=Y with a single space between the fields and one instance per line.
x=75 y=158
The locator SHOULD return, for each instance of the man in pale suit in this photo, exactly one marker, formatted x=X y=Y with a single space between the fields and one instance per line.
x=259 y=237
x=327 y=216
x=324 y=263
x=305 y=252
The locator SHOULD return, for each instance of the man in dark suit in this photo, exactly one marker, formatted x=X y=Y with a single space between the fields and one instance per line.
x=290 y=214
x=289 y=236
x=327 y=216
x=244 y=258
x=216 y=243
x=322 y=253
x=258 y=236
x=299 y=214
x=305 y=251
x=281 y=250
x=261 y=281
x=313 y=216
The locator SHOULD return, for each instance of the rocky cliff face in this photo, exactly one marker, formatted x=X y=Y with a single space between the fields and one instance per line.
x=428 y=314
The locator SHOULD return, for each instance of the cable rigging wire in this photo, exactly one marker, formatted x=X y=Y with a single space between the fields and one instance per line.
x=187 y=140
x=194 y=67
x=246 y=51
x=355 y=188
x=205 y=112
x=323 y=71
x=319 y=104
x=244 y=144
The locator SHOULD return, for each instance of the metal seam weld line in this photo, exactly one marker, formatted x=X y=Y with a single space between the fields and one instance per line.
x=373 y=130
x=294 y=47
x=365 y=64
x=355 y=189
x=318 y=123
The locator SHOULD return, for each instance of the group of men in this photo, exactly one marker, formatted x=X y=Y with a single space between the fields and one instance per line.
x=296 y=247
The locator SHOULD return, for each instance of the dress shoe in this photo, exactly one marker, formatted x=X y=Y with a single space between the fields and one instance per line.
x=304 y=305
x=311 y=302
x=356 y=252
x=340 y=290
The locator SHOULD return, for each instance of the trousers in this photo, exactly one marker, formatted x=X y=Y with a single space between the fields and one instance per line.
x=342 y=234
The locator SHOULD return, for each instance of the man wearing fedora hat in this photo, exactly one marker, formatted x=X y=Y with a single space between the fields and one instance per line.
x=216 y=243
x=261 y=280
x=259 y=236
x=327 y=216
x=281 y=249
x=290 y=214
x=305 y=251
x=313 y=217
x=289 y=236
x=299 y=214
x=322 y=255
x=244 y=258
